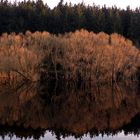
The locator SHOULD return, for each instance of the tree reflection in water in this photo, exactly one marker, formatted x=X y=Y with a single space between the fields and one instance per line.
x=28 y=110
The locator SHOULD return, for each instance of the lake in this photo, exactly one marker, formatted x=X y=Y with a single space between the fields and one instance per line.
x=68 y=111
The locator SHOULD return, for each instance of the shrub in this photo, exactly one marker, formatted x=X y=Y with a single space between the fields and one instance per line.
x=80 y=55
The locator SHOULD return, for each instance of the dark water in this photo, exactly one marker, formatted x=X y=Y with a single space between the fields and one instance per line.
x=99 y=112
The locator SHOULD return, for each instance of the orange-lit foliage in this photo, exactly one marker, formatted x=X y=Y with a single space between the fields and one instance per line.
x=83 y=54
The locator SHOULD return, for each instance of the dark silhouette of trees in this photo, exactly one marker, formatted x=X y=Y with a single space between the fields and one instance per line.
x=30 y=15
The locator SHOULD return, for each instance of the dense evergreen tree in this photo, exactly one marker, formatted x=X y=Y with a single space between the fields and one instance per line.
x=33 y=16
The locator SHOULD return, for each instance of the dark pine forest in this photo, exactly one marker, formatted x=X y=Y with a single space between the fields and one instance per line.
x=65 y=17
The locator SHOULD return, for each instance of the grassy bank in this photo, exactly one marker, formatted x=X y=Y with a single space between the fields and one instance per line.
x=81 y=55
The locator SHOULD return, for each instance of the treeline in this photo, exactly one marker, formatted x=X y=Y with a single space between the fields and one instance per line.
x=37 y=16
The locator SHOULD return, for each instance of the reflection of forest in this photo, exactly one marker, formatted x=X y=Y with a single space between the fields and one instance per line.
x=68 y=110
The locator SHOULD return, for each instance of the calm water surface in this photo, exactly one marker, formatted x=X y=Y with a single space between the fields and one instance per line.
x=69 y=112
x=49 y=136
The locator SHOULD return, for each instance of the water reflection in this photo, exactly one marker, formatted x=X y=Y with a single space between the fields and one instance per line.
x=70 y=112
